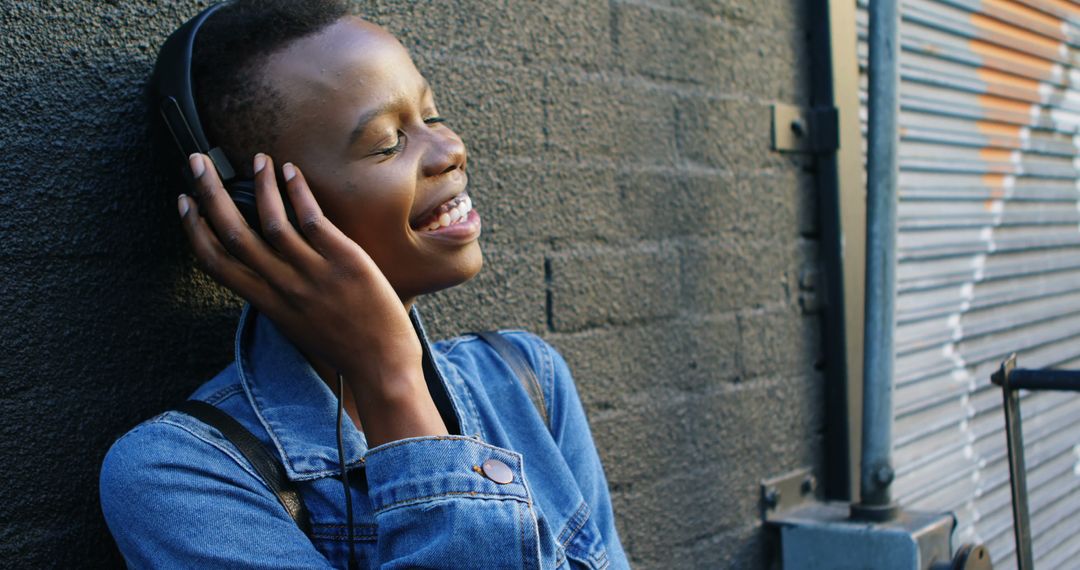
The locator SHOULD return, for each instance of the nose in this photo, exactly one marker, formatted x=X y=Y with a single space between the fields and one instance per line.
x=447 y=152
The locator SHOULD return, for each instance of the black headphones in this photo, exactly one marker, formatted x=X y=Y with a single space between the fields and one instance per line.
x=172 y=95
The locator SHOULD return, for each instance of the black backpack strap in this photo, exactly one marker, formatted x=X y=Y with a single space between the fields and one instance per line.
x=514 y=357
x=271 y=470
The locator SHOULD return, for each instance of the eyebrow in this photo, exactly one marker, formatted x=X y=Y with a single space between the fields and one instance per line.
x=366 y=118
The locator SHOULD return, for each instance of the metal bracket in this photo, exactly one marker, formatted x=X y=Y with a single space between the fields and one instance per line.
x=800 y=129
x=816 y=534
x=786 y=492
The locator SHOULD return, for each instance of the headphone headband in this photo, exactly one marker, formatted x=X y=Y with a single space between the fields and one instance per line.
x=172 y=96
x=172 y=92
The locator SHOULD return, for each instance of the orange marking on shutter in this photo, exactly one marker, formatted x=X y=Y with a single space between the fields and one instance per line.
x=1010 y=56
x=992 y=128
x=1000 y=134
x=1006 y=110
x=997 y=159
x=999 y=103
x=1009 y=85
x=996 y=182
x=1015 y=35
x=995 y=154
x=1007 y=9
x=1064 y=6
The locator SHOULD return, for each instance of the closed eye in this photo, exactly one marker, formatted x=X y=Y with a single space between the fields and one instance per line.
x=400 y=144
x=392 y=150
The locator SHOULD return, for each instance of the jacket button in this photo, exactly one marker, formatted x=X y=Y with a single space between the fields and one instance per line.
x=497 y=471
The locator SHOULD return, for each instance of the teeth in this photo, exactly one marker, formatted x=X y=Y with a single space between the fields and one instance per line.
x=452 y=212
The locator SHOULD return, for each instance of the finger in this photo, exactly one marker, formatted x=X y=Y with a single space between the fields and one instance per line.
x=232 y=231
x=216 y=262
x=323 y=235
x=277 y=230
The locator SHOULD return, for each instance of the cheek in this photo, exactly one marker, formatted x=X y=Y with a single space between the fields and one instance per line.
x=385 y=188
x=374 y=211
x=364 y=197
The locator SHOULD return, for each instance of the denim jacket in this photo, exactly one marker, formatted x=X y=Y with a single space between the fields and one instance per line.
x=176 y=494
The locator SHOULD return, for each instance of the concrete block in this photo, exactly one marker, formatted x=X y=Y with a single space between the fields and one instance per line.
x=779 y=14
x=642 y=443
x=726 y=274
x=750 y=546
x=729 y=134
x=736 y=206
x=762 y=427
x=759 y=206
x=508 y=293
x=780 y=342
x=731 y=57
x=611 y=285
x=746 y=432
x=598 y=118
x=612 y=366
x=517 y=31
x=93 y=347
x=531 y=201
x=690 y=505
x=666 y=44
x=496 y=108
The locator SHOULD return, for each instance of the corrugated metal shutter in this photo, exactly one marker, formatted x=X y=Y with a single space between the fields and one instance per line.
x=989 y=261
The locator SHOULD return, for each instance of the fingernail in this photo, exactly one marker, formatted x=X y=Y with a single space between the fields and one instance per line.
x=182 y=205
x=198 y=167
x=260 y=162
x=289 y=171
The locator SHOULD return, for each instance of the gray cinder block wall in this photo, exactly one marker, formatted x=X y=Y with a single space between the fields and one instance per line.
x=634 y=216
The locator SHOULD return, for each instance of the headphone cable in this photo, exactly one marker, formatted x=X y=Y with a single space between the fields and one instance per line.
x=353 y=565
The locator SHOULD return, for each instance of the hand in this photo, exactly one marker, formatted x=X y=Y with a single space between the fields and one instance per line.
x=321 y=289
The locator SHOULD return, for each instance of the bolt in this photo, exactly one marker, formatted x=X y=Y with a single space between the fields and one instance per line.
x=884 y=475
x=809 y=483
x=772 y=497
x=798 y=127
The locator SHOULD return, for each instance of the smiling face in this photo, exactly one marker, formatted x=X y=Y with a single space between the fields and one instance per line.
x=361 y=122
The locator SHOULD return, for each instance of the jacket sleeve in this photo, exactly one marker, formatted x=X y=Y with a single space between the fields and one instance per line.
x=570 y=429
x=421 y=487
x=173 y=498
x=432 y=500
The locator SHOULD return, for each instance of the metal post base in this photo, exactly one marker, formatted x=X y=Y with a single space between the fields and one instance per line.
x=822 y=535
x=875 y=513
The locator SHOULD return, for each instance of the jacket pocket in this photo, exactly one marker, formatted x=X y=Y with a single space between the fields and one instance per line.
x=582 y=544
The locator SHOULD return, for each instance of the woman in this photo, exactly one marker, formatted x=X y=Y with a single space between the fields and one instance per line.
x=449 y=463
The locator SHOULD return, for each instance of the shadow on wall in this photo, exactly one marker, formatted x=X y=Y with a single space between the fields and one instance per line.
x=105 y=320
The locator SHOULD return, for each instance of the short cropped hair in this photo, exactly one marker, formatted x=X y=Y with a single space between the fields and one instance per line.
x=230 y=54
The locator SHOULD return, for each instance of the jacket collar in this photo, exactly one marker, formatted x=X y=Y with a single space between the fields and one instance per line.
x=298 y=409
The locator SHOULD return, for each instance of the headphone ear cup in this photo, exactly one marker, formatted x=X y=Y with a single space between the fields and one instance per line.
x=244 y=199
x=242 y=192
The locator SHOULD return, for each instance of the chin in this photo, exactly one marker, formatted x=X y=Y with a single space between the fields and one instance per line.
x=464 y=268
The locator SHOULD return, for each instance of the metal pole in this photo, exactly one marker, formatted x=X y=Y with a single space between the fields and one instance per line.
x=1058 y=380
x=876 y=473
x=1014 y=437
